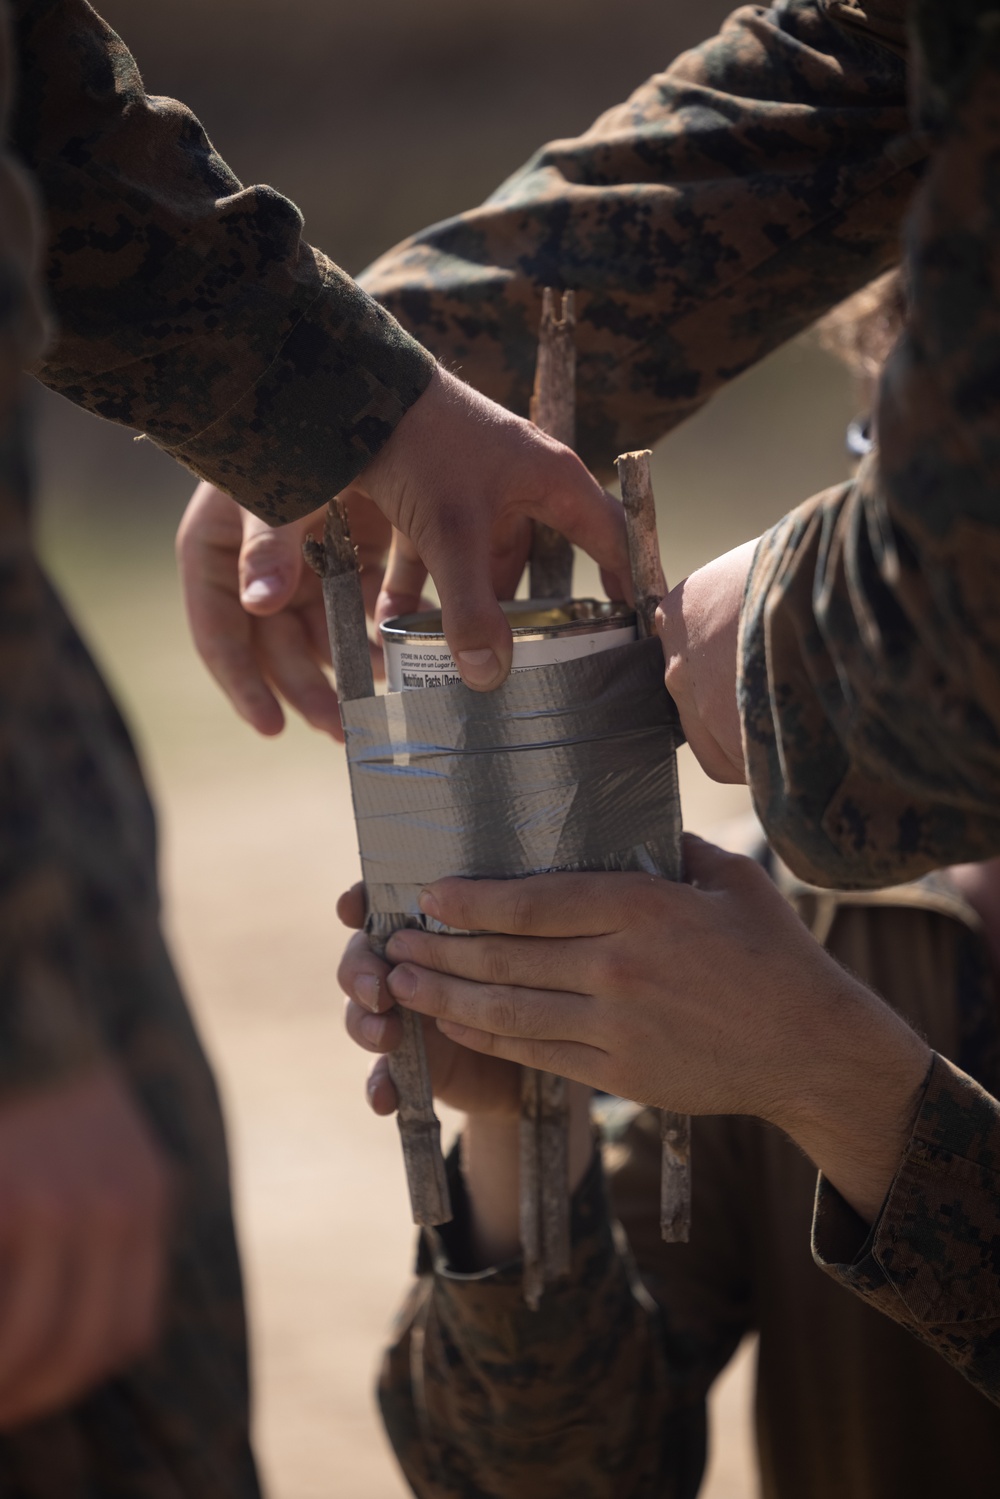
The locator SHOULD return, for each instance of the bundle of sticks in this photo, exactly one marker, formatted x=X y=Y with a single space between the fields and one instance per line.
x=544 y=1153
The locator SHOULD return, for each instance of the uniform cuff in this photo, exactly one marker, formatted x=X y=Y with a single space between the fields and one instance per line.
x=486 y=1300
x=343 y=378
x=930 y=1256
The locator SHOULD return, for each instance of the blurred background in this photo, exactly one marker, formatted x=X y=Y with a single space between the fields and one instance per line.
x=376 y=120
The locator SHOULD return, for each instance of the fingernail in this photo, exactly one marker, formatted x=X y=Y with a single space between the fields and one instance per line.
x=366 y=990
x=259 y=590
x=479 y=668
x=403 y=983
x=427 y=902
x=372 y=1028
x=452 y=1029
x=371 y=1084
x=398 y=948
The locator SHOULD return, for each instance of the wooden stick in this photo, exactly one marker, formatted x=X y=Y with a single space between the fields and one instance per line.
x=336 y=563
x=649 y=586
x=553 y=410
x=544 y=1139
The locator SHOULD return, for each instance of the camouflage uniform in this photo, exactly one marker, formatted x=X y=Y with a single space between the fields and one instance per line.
x=732 y=200
x=188 y=306
x=601 y=1393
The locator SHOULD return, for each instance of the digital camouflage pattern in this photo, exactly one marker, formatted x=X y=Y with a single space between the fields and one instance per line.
x=728 y=203
x=871 y=635
x=188 y=306
x=601 y=1393
x=721 y=209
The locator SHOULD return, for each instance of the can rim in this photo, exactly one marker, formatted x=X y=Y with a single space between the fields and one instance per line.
x=603 y=614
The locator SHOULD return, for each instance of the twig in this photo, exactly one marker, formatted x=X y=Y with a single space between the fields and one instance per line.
x=553 y=410
x=335 y=561
x=544 y=1140
x=649 y=586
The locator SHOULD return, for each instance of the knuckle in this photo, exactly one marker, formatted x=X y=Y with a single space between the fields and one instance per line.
x=495 y=962
x=523 y=911
x=611 y=968
x=504 y=1011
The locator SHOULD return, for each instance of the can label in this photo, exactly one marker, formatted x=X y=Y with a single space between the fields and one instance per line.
x=415 y=660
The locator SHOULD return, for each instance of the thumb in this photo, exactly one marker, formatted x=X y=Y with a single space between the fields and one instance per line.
x=271 y=562
x=704 y=863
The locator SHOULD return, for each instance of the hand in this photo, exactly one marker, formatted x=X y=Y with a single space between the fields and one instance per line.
x=83 y=1222
x=465 y=477
x=461 y=1079
x=486 y=1089
x=698 y=625
x=458 y=477
x=256 y=609
x=705 y=998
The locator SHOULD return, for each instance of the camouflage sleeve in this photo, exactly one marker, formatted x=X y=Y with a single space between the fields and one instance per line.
x=722 y=208
x=930 y=1260
x=600 y=1393
x=870 y=638
x=189 y=306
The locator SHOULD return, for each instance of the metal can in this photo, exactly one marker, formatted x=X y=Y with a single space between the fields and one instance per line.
x=545 y=631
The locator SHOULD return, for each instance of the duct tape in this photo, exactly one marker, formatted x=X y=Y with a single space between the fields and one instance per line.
x=565 y=767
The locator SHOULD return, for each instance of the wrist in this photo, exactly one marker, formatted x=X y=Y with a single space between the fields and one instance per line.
x=855 y=1093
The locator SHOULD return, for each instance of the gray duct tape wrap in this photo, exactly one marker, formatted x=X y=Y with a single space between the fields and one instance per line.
x=565 y=767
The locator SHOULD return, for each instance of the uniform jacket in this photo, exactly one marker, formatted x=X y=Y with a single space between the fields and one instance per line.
x=600 y=1394
x=143 y=281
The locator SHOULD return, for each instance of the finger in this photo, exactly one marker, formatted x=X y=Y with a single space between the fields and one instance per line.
x=510 y=548
x=380 y=1089
x=271 y=561
x=458 y=558
x=617 y=587
x=405 y=576
x=577 y=966
x=362 y=976
x=146 y=1253
x=576 y=506
x=286 y=656
x=83 y=1346
x=582 y=1064
x=504 y=1009
x=543 y=905
x=352 y=906
x=378 y=1033
x=37 y=1278
x=705 y=864
x=208 y=544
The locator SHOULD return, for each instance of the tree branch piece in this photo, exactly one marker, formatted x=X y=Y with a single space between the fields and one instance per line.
x=335 y=561
x=649 y=586
x=553 y=411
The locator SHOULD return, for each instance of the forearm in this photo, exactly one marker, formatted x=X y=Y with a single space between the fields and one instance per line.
x=725 y=206
x=491 y=1170
x=870 y=691
x=928 y=1260
x=849 y=1087
x=189 y=306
